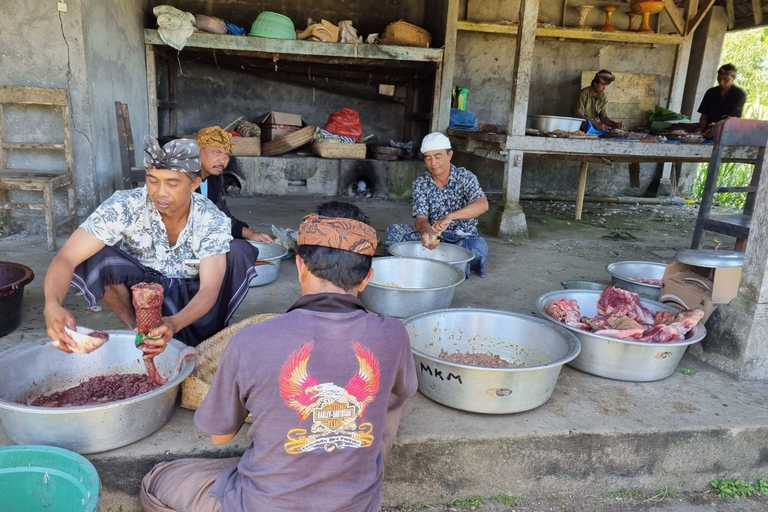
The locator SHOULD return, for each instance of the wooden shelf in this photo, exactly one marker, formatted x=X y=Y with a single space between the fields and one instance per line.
x=617 y=37
x=270 y=47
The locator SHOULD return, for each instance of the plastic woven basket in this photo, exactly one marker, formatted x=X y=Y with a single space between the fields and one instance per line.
x=246 y=146
x=289 y=142
x=273 y=25
x=328 y=149
x=402 y=33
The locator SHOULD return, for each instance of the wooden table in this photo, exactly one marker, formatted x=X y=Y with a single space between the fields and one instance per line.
x=606 y=151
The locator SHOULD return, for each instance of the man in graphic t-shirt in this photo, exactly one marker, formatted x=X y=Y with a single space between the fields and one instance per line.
x=326 y=384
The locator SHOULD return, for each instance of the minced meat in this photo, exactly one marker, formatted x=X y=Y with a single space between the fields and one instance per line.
x=488 y=360
x=98 y=390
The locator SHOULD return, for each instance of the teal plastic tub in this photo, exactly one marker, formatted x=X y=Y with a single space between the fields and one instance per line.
x=273 y=25
x=37 y=478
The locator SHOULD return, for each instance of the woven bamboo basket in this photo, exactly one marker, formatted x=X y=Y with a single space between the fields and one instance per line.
x=332 y=149
x=195 y=387
x=246 y=146
x=289 y=142
x=402 y=33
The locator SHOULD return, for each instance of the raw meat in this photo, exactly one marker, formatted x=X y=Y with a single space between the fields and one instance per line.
x=567 y=311
x=98 y=390
x=489 y=360
x=646 y=280
x=148 y=304
x=618 y=302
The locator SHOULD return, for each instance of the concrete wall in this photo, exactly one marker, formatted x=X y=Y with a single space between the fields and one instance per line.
x=95 y=51
x=484 y=64
x=114 y=46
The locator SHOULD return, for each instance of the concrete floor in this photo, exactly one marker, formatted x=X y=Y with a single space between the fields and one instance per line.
x=592 y=436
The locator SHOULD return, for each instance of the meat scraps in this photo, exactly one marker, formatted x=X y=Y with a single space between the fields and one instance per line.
x=489 y=360
x=98 y=390
x=148 y=304
x=621 y=315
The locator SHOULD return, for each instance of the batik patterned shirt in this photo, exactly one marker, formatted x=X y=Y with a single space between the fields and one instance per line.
x=435 y=203
x=131 y=219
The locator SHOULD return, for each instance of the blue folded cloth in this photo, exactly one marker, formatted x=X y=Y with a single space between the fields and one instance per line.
x=591 y=130
x=462 y=120
x=234 y=29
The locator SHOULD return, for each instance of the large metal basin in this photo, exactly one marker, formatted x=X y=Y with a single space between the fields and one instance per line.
x=454 y=254
x=272 y=253
x=617 y=359
x=624 y=272
x=35 y=368
x=543 y=348
x=402 y=287
x=552 y=123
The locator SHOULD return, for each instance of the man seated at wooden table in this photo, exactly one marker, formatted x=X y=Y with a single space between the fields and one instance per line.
x=447 y=200
x=215 y=145
x=590 y=103
x=326 y=383
x=164 y=233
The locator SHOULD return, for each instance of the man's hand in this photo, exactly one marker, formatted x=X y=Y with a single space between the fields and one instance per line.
x=598 y=125
x=441 y=225
x=159 y=337
x=619 y=125
x=56 y=317
x=429 y=240
x=256 y=236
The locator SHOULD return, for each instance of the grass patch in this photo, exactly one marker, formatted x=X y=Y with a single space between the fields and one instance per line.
x=738 y=489
x=625 y=494
x=506 y=499
x=668 y=493
x=555 y=496
x=407 y=505
x=686 y=371
x=469 y=503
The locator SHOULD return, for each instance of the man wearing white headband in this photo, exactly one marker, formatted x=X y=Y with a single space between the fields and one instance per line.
x=446 y=203
x=162 y=233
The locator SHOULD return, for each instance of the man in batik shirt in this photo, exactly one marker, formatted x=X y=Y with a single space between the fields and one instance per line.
x=446 y=203
x=326 y=384
x=164 y=233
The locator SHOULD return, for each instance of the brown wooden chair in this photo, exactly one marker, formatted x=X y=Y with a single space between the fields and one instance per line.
x=43 y=181
x=733 y=132
x=132 y=176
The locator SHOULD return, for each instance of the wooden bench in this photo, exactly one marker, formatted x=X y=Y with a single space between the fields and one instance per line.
x=35 y=180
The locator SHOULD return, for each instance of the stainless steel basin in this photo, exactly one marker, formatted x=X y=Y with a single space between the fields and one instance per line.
x=402 y=287
x=539 y=348
x=618 y=359
x=35 y=368
x=624 y=272
x=272 y=253
x=454 y=254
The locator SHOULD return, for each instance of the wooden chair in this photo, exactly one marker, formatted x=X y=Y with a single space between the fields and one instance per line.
x=46 y=182
x=132 y=176
x=733 y=132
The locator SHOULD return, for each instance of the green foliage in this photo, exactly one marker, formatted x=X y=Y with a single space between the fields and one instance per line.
x=667 y=493
x=733 y=488
x=406 y=505
x=761 y=486
x=506 y=499
x=686 y=371
x=469 y=503
x=555 y=496
x=748 y=51
x=625 y=493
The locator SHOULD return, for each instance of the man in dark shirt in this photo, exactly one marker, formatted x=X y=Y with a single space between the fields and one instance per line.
x=326 y=383
x=215 y=145
x=725 y=100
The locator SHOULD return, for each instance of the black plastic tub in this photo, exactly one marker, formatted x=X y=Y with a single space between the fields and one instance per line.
x=13 y=278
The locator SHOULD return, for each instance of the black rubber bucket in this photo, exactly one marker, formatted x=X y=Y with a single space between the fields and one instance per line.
x=13 y=278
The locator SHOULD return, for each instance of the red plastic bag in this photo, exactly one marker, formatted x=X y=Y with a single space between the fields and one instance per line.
x=346 y=123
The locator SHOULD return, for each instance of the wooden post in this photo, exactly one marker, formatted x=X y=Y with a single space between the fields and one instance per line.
x=581 y=189
x=511 y=222
x=151 y=89
x=443 y=111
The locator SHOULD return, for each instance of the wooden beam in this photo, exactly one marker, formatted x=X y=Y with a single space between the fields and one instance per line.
x=729 y=9
x=151 y=89
x=443 y=114
x=700 y=16
x=675 y=16
x=757 y=12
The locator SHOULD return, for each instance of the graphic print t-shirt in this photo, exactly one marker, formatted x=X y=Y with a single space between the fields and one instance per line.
x=317 y=381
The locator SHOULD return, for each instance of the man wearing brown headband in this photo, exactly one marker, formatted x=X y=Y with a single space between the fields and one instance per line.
x=215 y=145
x=590 y=103
x=326 y=384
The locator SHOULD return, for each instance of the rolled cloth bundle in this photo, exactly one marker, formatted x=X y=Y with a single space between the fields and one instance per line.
x=148 y=304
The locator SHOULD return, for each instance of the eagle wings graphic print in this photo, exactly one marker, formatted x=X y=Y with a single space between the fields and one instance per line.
x=334 y=410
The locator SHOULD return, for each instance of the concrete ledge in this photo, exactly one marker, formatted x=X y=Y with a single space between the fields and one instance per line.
x=592 y=434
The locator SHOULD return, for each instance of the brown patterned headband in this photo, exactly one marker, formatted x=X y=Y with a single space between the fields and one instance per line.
x=338 y=233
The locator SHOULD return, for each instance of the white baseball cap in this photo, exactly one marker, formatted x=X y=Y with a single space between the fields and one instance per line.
x=433 y=141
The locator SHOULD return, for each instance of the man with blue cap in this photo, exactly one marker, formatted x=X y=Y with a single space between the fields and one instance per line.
x=446 y=203
x=162 y=233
